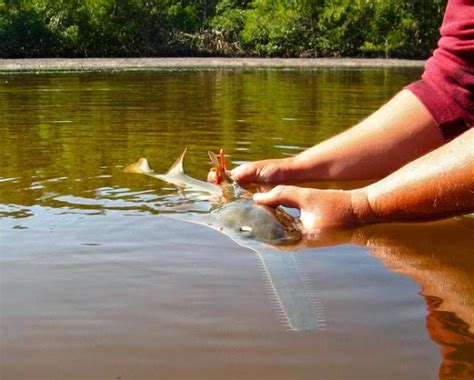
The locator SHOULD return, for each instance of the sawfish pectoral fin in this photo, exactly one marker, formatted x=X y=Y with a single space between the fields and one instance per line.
x=220 y=166
x=140 y=167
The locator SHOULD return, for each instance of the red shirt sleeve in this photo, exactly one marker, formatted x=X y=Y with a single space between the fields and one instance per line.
x=446 y=87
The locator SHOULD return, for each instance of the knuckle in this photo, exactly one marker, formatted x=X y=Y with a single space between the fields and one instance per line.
x=279 y=191
x=279 y=188
x=259 y=171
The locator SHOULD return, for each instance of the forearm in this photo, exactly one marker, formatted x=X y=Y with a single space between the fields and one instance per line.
x=399 y=132
x=437 y=185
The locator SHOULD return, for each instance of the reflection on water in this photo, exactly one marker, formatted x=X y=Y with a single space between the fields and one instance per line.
x=439 y=257
x=96 y=281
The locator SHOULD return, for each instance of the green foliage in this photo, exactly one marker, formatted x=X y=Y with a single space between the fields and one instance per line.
x=41 y=28
x=341 y=26
x=272 y=27
x=23 y=31
x=229 y=19
x=390 y=28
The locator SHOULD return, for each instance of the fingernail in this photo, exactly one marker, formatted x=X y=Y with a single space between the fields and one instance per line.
x=258 y=197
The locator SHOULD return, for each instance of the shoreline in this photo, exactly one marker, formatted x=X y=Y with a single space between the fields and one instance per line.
x=134 y=64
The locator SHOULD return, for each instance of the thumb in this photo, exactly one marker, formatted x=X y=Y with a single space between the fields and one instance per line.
x=279 y=195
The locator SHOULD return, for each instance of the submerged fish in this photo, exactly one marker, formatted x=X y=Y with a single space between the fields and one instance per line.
x=235 y=214
x=233 y=207
x=175 y=175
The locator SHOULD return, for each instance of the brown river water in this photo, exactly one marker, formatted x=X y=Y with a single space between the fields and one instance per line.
x=98 y=282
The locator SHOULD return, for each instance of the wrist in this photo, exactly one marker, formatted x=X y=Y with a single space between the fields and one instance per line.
x=361 y=208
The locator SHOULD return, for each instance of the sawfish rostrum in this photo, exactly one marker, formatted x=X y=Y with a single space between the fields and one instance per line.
x=234 y=213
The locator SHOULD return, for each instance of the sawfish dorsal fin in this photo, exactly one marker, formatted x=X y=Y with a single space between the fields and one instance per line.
x=177 y=167
x=215 y=161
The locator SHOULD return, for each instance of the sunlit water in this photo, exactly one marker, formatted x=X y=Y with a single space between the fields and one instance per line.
x=97 y=282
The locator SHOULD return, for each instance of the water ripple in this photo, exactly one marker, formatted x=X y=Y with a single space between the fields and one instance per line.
x=289 y=147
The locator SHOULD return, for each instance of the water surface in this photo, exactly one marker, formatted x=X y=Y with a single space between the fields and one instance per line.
x=98 y=283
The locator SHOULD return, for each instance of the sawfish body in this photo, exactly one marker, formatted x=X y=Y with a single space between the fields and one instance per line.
x=233 y=208
x=235 y=214
x=174 y=175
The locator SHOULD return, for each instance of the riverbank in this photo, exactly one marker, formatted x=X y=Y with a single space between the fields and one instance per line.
x=129 y=64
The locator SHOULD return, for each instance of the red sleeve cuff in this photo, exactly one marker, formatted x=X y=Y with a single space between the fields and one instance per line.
x=450 y=118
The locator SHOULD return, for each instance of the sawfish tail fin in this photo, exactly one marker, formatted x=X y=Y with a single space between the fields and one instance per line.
x=140 y=167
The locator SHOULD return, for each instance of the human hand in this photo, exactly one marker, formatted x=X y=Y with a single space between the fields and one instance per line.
x=266 y=171
x=320 y=208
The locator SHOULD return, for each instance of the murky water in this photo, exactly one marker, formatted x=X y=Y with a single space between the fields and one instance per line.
x=98 y=283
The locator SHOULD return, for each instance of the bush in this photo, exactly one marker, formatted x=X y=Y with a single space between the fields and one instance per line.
x=84 y=28
x=341 y=27
x=273 y=28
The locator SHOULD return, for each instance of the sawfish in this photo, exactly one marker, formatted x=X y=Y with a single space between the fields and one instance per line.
x=253 y=226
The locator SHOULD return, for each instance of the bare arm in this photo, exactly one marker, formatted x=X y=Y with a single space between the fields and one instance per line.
x=399 y=132
x=437 y=185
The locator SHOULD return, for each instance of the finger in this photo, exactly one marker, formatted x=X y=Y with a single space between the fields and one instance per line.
x=244 y=173
x=288 y=196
